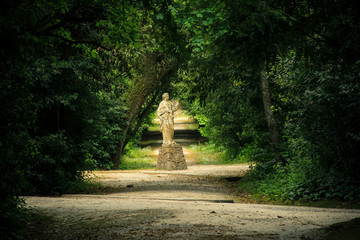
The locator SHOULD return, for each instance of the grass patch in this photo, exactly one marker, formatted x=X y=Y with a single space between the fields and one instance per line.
x=137 y=158
x=153 y=128
x=190 y=126
x=210 y=154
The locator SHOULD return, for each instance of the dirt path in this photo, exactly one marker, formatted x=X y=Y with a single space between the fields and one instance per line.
x=197 y=203
x=187 y=204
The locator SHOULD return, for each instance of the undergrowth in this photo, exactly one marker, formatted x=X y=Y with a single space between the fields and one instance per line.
x=299 y=184
x=136 y=157
x=207 y=152
x=211 y=154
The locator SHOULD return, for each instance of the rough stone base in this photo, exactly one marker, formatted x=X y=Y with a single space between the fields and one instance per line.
x=171 y=158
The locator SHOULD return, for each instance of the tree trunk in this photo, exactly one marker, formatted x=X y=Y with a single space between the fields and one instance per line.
x=152 y=69
x=270 y=119
x=142 y=116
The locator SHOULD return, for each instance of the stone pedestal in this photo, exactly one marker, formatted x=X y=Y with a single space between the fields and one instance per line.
x=171 y=158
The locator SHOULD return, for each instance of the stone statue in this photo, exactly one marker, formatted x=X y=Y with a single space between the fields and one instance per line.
x=165 y=113
x=171 y=155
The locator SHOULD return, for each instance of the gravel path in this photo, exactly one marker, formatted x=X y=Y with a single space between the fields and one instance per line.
x=198 y=203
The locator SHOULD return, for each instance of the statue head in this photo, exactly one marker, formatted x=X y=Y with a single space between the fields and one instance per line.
x=165 y=96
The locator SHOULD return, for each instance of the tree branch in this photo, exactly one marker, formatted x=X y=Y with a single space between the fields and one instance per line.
x=141 y=118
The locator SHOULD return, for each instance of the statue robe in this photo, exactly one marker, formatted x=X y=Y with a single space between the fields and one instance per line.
x=165 y=113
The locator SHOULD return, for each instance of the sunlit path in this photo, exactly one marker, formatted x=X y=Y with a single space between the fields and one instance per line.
x=201 y=202
x=197 y=203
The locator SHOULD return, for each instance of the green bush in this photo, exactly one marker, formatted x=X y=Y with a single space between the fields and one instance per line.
x=304 y=180
x=13 y=217
x=56 y=163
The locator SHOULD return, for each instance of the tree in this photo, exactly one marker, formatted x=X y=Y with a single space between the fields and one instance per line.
x=153 y=69
x=158 y=55
x=300 y=57
x=250 y=36
x=65 y=69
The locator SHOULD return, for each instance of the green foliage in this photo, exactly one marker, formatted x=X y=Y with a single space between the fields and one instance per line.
x=53 y=166
x=224 y=119
x=304 y=180
x=103 y=143
x=318 y=153
x=317 y=121
x=208 y=153
x=329 y=115
x=200 y=21
x=65 y=69
x=69 y=68
x=312 y=70
x=14 y=216
x=137 y=158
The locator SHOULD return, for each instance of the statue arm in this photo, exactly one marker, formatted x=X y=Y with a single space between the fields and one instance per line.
x=175 y=105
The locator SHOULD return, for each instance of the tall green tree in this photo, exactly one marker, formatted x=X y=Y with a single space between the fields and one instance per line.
x=303 y=101
x=66 y=69
x=158 y=51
